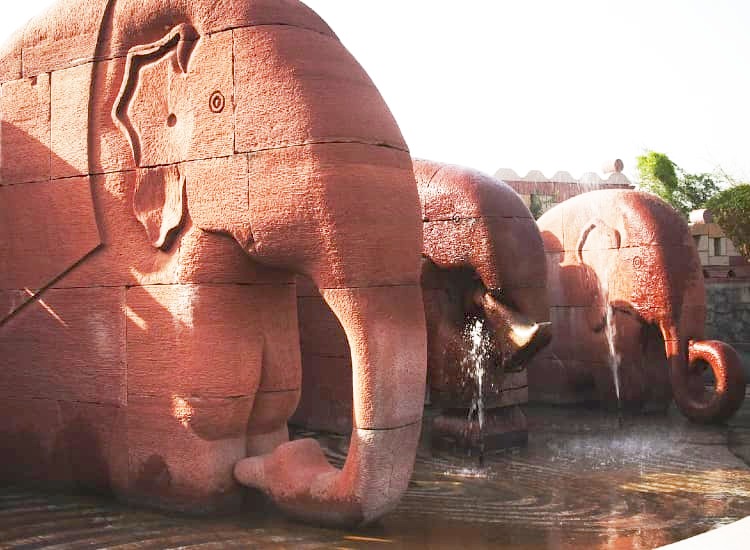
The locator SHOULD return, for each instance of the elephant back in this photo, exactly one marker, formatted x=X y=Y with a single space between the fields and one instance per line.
x=272 y=69
x=475 y=209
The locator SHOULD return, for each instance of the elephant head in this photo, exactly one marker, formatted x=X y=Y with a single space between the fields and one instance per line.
x=628 y=260
x=484 y=260
x=249 y=119
x=483 y=270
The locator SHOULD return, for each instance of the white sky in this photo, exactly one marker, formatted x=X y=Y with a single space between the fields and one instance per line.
x=550 y=84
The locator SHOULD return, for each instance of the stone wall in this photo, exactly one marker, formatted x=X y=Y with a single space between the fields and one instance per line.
x=541 y=193
x=728 y=317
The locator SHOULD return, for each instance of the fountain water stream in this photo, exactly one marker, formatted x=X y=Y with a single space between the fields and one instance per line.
x=477 y=357
x=610 y=331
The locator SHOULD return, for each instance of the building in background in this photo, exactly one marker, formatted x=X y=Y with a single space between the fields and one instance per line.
x=541 y=193
x=727 y=276
x=719 y=257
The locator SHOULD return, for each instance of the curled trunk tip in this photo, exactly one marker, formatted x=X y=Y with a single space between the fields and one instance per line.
x=691 y=397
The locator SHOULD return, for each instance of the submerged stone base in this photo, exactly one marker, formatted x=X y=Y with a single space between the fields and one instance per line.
x=503 y=427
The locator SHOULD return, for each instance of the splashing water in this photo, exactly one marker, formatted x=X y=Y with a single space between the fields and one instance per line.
x=476 y=360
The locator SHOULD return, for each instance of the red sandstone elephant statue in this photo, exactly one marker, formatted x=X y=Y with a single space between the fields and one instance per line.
x=161 y=363
x=628 y=310
x=483 y=260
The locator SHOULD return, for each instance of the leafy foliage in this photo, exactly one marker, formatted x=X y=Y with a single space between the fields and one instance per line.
x=535 y=206
x=539 y=204
x=731 y=210
x=684 y=191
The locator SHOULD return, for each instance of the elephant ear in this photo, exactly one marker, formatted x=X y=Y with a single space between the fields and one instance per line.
x=182 y=40
x=159 y=203
x=597 y=235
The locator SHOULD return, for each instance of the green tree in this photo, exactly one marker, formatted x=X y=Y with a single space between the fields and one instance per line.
x=731 y=210
x=684 y=191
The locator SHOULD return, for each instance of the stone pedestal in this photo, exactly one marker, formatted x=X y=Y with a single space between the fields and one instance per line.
x=454 y=430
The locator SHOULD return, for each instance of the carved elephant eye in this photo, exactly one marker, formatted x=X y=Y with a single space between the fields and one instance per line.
x=216 y=102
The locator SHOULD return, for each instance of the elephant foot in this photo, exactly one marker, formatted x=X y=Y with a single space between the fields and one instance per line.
x=503 y=427
x=297 y=477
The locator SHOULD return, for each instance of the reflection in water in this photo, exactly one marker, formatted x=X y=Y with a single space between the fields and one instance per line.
x=716 y=483
x=579 y=484
x=466 y=472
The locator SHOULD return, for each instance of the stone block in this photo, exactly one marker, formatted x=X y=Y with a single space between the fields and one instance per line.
x=488 y=245
x=213 y=17
x=343 y=244
x=69 y=345
x=64 y=36
x=297 y=87
x=173 y=116
x=260 y=13
x=96 y=441
x=126 y=257
x=392 y=310
x=182 y=340
x=571 y=283
x=223 y=203
x=31 y=446
x=218 y=259
x=10 y=57
x=181 y=454
x=515 y=247
x=53 y=226
x=71 y=89
x=703 y=255
x=111 y=152
x=578 y=332
x=25 y=132
x=450 y=192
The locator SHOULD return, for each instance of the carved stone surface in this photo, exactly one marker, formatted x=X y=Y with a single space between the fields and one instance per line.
x=167 y=166
x=484 y=260
x=628 y=310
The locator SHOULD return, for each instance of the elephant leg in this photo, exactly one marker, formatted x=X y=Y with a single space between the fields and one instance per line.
x=191 y=385
x=281 y=373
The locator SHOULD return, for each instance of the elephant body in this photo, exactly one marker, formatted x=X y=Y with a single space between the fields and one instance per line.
x=167 y=167
x=628 y=310
x=483 y=260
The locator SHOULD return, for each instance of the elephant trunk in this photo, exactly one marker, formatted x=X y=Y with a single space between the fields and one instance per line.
x=522 y=336
x=385 y=330
x=686 y=360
